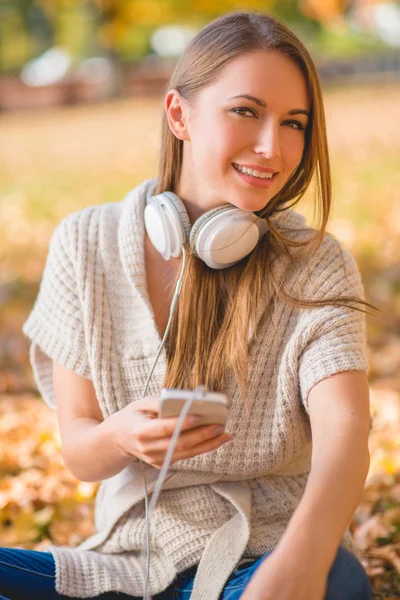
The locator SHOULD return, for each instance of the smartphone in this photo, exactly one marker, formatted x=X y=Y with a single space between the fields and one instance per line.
x=211 y=406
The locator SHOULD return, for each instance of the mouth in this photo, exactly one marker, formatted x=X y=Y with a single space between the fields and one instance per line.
x=255 y=178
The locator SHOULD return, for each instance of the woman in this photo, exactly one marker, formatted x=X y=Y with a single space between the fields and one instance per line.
x=259 y=513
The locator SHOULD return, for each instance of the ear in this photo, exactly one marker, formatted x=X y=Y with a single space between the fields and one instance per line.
x=177 y=112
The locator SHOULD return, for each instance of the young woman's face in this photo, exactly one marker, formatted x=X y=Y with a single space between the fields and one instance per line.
x=252 y=117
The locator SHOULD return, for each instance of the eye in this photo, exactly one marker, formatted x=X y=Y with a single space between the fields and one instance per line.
x=295 y=124
x=243 y=109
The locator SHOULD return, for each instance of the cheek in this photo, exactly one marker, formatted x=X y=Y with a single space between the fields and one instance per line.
x=216 y=145
x=292 y=148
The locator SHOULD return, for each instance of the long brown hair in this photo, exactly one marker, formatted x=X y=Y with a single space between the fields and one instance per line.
x=209 y=332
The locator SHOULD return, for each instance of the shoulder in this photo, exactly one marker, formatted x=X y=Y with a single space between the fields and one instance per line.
x=96 y=241
x=98 y=227
x=329 y=266
x=84 y=224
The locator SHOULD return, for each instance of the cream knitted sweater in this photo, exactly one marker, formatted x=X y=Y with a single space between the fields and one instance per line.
x=93 y=316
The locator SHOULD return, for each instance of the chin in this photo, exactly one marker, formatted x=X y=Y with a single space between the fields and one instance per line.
x=251 y=205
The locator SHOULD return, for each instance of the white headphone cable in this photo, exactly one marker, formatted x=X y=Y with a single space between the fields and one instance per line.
x=171 y=447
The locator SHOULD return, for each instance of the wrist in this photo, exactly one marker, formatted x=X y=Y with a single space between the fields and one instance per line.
x=305 y=549
x=115 y=439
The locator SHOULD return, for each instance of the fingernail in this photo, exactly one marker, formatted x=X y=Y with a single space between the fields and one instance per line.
x=228 y=438
x=218 y=429
x=194 y=420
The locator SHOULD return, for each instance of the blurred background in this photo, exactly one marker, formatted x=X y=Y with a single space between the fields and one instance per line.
x=81 y=96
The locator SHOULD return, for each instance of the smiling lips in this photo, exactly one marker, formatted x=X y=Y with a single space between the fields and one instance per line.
x=255 y=171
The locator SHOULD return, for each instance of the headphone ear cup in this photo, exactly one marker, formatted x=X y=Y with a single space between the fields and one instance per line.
x=198 y=224
x=167 y=223
x=225 y=235
x=181 y=211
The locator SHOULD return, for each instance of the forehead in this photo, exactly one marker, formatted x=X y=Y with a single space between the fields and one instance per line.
x=274 y=78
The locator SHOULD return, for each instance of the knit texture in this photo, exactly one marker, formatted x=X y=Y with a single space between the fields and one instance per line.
x=93 y=316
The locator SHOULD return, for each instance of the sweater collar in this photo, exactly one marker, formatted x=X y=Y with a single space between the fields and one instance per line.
x=131 y=236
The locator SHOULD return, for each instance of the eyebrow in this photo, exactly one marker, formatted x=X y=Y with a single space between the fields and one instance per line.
x=294 y=111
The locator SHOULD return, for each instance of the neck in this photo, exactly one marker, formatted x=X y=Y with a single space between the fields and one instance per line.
x=195 y=208
x=192 y=208
x=190 y=191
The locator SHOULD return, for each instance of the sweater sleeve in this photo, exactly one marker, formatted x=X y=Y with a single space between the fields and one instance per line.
x=55 y=324
x=334 y=337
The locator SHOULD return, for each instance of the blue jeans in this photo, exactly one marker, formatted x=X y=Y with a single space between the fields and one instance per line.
x=29 y=574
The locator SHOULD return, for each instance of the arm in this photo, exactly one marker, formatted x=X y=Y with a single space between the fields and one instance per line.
x=340 y=420
x=88 y=443
x=94 y=449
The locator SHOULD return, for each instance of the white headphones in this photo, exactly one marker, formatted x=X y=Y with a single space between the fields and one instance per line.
x=221 y=237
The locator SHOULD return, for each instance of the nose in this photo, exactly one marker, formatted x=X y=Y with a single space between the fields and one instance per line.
x=268 y=141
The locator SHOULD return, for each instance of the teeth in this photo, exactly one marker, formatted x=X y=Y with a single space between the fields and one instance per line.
x=254 y=173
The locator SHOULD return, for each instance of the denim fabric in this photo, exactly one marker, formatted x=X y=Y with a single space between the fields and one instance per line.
x=347 y=580
x=31 y=574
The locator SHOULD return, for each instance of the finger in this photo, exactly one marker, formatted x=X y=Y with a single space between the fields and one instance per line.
x=194 y=437
x=156 y=455
x=186 y=441
x=149 y=404
x=157 y=429
x=207 y=446
x=156 y=459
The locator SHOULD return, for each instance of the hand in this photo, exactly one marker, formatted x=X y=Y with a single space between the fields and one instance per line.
x=276 y=579
x=140 y=433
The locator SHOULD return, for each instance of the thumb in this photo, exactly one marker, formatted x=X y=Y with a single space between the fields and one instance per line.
x=150 y=404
